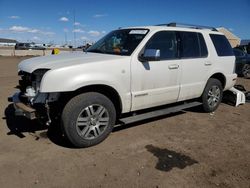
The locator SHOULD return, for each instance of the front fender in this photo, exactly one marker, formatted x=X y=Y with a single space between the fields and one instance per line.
x=72 y=78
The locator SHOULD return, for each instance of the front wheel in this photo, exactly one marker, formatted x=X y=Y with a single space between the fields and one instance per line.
x=212 y=95
x=88 y=118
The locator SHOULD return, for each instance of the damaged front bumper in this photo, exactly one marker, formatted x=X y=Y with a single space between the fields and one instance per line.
x=235 y=96
x=240 y=97
x=38 y=107
x=22 y=109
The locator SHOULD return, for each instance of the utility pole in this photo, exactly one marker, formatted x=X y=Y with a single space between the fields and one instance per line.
x=65 y=35
x=74 y=29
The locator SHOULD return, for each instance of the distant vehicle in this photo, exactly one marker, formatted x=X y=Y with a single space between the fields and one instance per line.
x=84 y=47
x=244 y=47
x=28 y=46
x=242 y=63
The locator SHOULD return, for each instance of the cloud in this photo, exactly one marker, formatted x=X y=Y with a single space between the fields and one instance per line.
x=33 y=31
x=14 y=17
x=21 y=29
x=99 y=15
x=36 y=38
x=77 y=23
x=94 y=33
x=104 y=32
x=65 y=30
x=78 y=31
x=84 y=38
x=64 y=19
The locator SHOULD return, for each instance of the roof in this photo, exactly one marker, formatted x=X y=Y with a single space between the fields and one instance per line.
x=171 y=28
x=2 y=40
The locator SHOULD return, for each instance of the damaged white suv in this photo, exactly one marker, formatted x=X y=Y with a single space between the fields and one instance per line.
x=128 y=70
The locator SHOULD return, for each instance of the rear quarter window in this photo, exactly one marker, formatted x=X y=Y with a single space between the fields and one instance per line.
x=222 y=46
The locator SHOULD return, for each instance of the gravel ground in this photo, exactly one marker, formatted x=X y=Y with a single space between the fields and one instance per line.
x=187 y=149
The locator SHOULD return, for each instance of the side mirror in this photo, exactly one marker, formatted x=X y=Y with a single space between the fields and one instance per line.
x=150 y=55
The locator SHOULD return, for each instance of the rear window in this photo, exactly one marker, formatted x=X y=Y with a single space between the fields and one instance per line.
x=222 y=46
x=192 y=45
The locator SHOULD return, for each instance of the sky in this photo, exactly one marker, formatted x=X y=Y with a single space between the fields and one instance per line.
x=50 y=21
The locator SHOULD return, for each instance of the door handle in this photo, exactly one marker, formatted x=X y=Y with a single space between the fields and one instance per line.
x=208 y=63
x=174 y=66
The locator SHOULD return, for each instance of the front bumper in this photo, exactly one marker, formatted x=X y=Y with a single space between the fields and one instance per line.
x=22 y=109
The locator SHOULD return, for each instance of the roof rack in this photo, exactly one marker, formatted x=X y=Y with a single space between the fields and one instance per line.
x=174 y=24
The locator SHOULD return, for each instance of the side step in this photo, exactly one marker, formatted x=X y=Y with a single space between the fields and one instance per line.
x=157 y=113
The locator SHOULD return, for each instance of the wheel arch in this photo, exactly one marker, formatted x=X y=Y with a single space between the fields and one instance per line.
x=221 y=77
x=106 y=90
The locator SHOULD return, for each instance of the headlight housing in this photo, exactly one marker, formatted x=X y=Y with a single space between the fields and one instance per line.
x=37 y=76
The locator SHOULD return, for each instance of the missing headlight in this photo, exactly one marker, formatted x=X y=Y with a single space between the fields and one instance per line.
x=37 y=76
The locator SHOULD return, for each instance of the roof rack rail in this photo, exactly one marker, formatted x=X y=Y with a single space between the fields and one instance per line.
x=174 y=24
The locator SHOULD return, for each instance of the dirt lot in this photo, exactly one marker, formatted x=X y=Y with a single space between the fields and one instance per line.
x=189 y=149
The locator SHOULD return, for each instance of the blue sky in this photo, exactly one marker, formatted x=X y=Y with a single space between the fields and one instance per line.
x=50 y=21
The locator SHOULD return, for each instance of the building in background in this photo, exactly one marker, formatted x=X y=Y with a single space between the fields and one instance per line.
x=232 y=38
x=7 y=42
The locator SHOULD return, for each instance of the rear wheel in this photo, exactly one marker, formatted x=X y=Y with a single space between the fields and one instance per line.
x=246 y=71
x=212 y=95
x=88 y=119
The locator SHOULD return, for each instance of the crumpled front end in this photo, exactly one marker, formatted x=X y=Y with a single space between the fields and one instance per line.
x=30 y=102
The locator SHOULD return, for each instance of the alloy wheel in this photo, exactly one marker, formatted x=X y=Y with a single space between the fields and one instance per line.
x=92 y=121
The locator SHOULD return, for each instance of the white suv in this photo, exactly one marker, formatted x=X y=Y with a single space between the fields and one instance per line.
x=128 y=70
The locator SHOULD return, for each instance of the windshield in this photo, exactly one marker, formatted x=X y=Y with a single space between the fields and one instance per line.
x=119 y=42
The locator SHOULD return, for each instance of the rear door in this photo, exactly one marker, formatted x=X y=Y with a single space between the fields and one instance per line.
x=195 y=64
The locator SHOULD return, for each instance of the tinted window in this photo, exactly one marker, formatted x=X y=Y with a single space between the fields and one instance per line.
x=221 y=44
x=165 y=41
x=192 y=45
x=203 y=46
x=189 y=45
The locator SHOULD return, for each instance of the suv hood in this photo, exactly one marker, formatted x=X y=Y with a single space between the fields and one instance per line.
x=64 y=60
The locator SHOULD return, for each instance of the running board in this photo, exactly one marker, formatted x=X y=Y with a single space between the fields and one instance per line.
x=157 y=113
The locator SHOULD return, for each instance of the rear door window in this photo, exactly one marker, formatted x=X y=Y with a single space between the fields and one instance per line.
x=221 y=44
x=203 y=46
x=192 y=45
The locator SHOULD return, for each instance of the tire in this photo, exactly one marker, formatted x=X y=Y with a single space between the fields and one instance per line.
x=212 y=95
x=88 y=118
x=246 y=71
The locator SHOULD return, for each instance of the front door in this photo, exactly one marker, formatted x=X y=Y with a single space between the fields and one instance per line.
x=156 y=83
